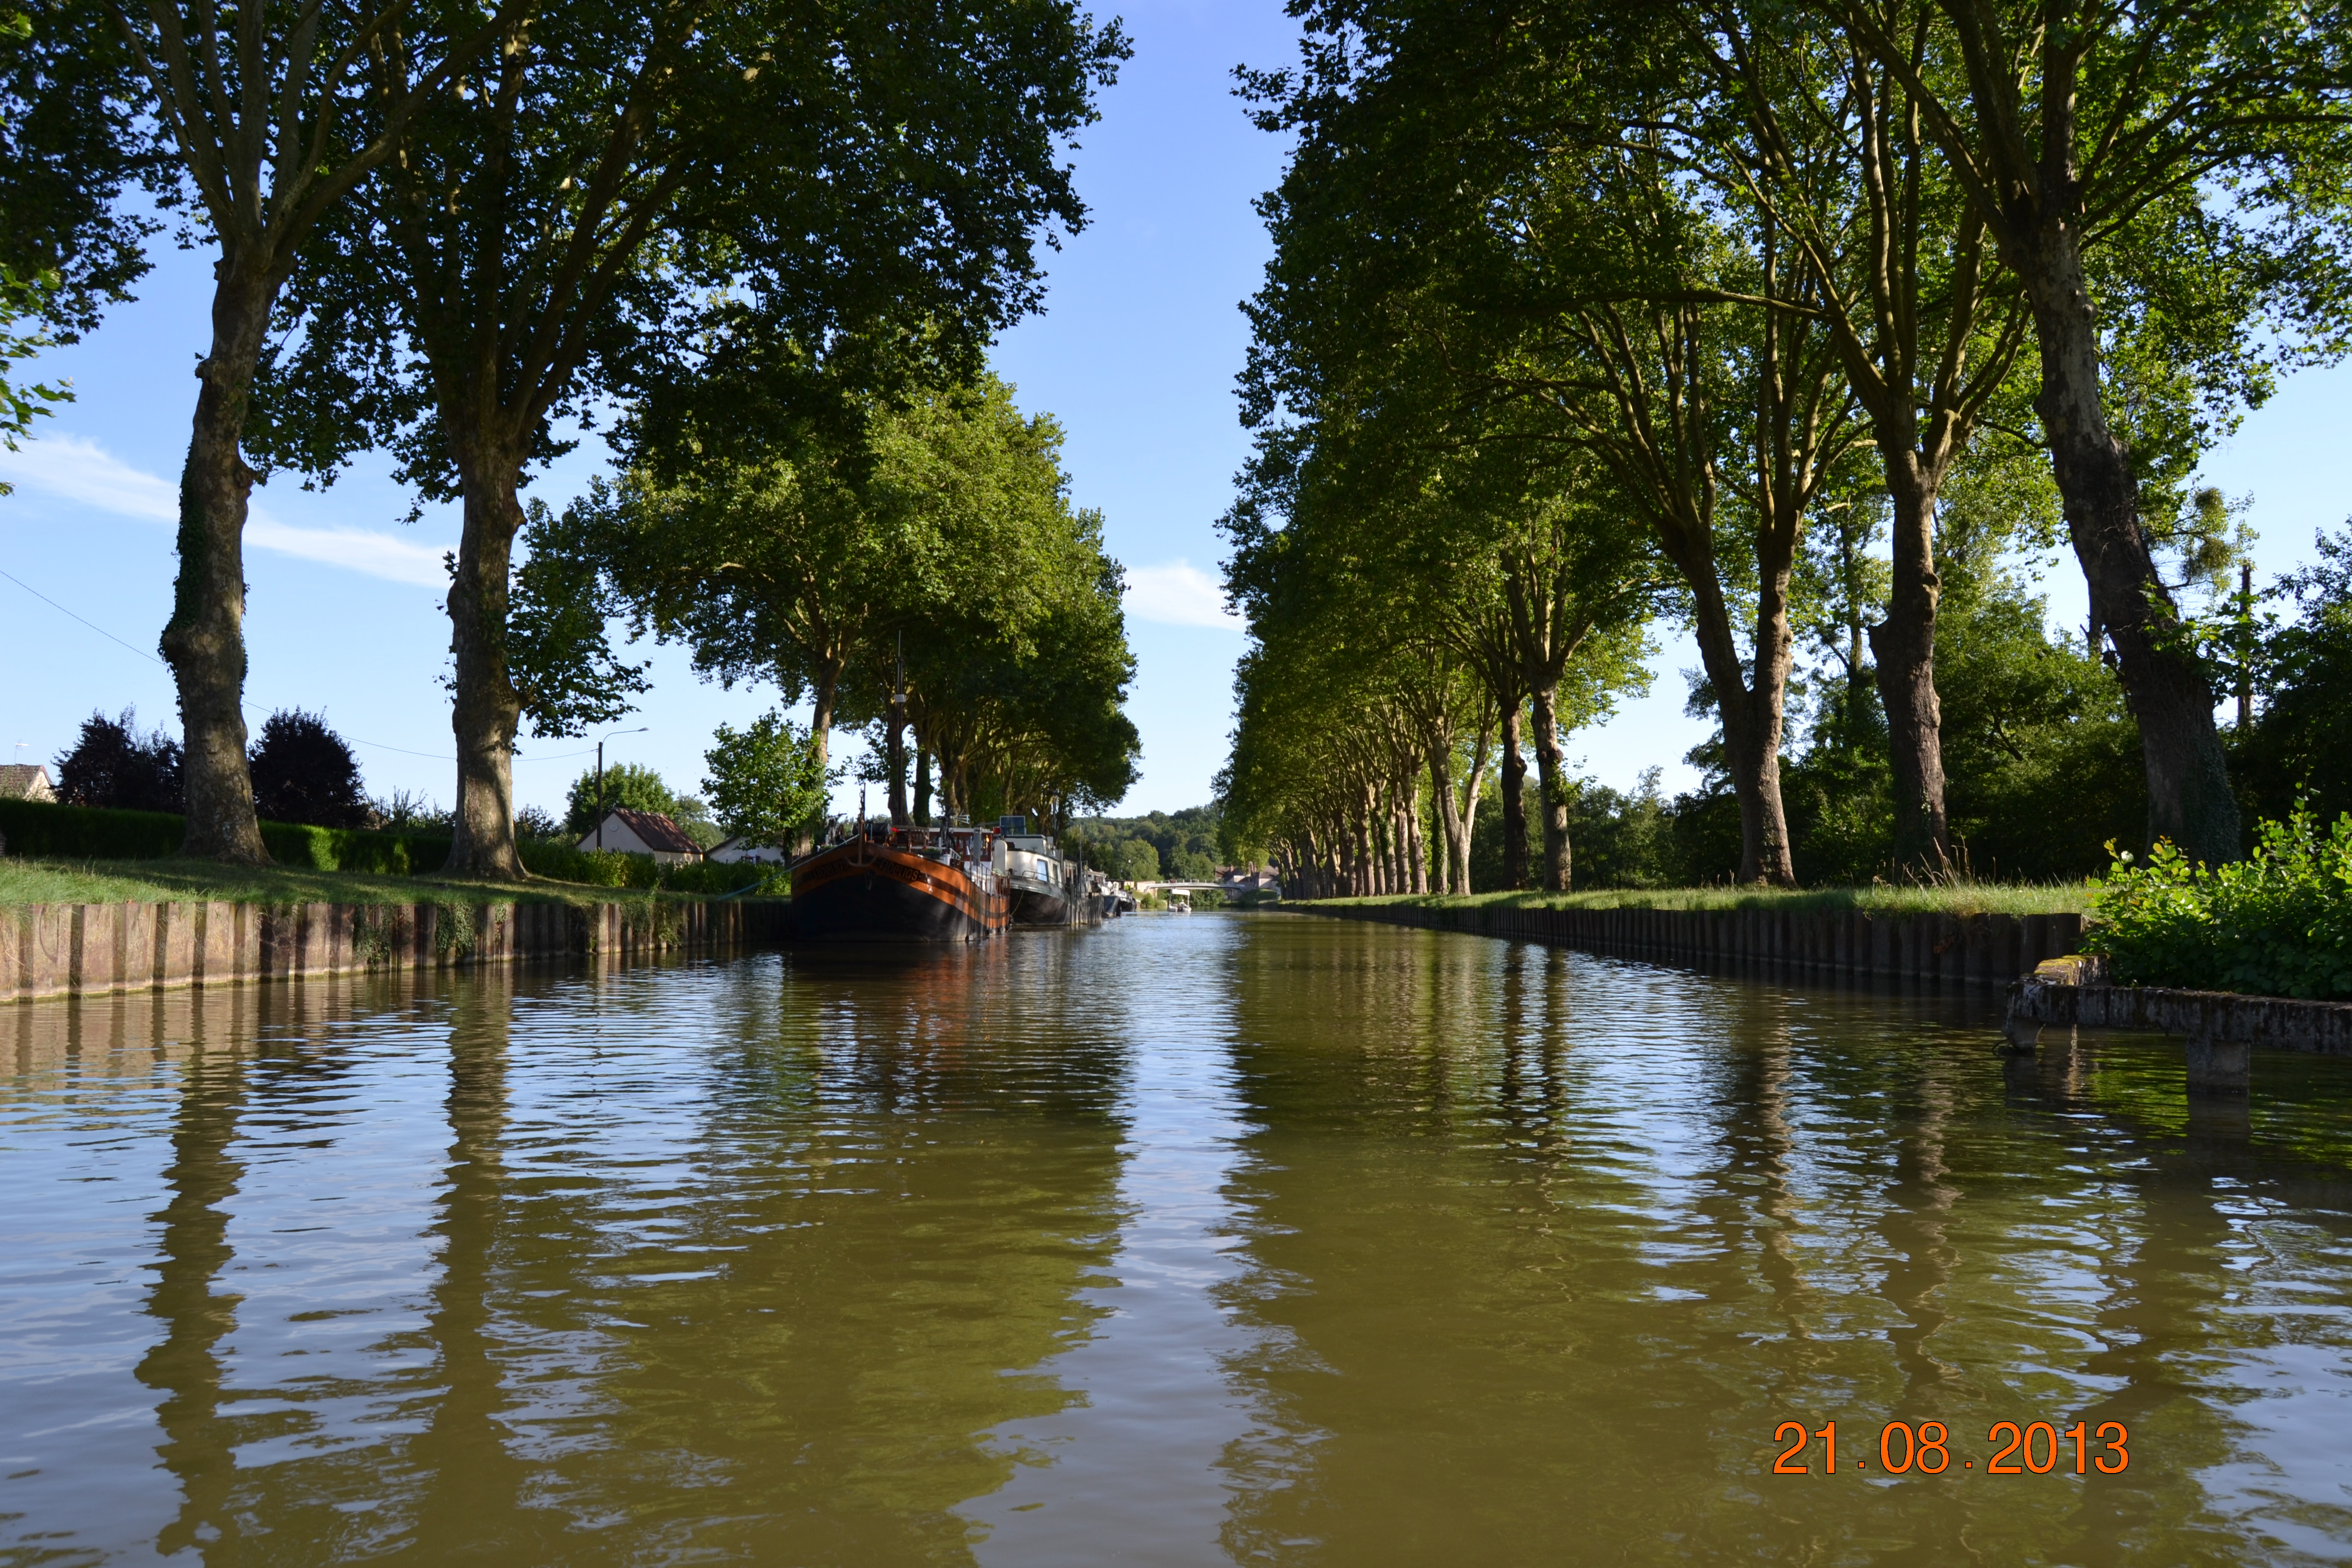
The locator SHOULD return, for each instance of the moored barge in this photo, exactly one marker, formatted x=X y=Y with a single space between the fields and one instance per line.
x=918 y=884
x=1042 y=886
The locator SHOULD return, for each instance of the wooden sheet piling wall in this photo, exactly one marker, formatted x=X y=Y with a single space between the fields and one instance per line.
x=85 y=950
x=1829 y=944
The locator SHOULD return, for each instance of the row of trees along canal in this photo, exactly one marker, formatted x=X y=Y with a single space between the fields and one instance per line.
x=1584 y=313
x=775 y=236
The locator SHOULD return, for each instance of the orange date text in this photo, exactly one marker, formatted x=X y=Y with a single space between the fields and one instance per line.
x=2037 y=1448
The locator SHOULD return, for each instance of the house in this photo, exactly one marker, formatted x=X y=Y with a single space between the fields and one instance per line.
x=743 y=847
x=643 y=832
x=25 y=781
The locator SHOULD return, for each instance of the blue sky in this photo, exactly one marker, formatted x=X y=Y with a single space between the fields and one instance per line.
x=1136 y=354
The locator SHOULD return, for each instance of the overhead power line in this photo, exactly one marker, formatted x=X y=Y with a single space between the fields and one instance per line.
x=252 y=707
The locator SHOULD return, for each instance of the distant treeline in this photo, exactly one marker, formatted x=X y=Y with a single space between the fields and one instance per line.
x=1162 y=846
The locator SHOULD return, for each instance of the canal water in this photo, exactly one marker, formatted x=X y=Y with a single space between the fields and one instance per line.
x=1227 y=1238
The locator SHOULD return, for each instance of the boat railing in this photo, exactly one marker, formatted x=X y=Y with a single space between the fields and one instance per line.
x=961 y=846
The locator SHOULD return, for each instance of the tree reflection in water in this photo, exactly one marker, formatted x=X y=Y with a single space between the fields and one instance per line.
x=192 y=1251
x=1561 y=1326
x=1463 y=1250
x=776 y=1321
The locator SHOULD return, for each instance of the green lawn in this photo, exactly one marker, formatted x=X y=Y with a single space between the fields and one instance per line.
x=31 y=881
x=1964 y=899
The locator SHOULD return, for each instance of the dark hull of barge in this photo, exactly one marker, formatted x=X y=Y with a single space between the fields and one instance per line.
x=1036 y=904
x=865 y=891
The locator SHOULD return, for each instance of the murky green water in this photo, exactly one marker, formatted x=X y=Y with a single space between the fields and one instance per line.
x=1259 y=1239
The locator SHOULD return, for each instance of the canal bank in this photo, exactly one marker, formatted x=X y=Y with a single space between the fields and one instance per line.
x=1985 y=950
x=86 y=950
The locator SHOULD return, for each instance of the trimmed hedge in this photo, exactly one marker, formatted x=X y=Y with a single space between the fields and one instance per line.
x=97 y=833
x=87 y=832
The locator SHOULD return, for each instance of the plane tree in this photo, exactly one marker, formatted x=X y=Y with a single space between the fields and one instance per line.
x=1472 y=247
x=2170 y=171
x=862 y=534
x=268 y=117
x=1781 y=109
x=551 y=233
x=70 y=145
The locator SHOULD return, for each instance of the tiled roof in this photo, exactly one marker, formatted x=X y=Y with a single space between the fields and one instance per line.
x=655 y=831
x=20 y=781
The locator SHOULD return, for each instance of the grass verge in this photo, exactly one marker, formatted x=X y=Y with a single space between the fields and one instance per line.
x=30 y=881
x=1961 y=898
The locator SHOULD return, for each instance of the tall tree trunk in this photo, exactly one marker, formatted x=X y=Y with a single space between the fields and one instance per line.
x=824 y=698
x=2188 y=798
x=1391 y=845
x=193 y=1251
x=205 y=640
x=1752 y=715
x=1551 y=788
x=922 y=786
x=1416 y=844
x=1515 y=810
x=894 y=758
x=1902 y=648
x=488 y=708
x=1449 y=816
x=1753 y=752
x=1472 y=788
x=826 y=694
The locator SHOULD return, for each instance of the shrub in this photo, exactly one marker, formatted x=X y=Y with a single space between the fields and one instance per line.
x=533 y=822
x=356 y=849
x=612 y=868
x=115 y=766
x=304 y=772
x=2277 y=923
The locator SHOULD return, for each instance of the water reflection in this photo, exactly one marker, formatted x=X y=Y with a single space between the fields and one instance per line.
x=1271 y=1241
x=1567 y=1336
x=184 y=1366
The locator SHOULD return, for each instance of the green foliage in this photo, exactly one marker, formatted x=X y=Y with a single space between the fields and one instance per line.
x=921 y=529
x=614 y=868
x=22 y=298
x=304 y=772
x=627 y=785
x=1150 y=849
x=560 y=658
x=2298 y=752
x=113 y=764
x=69 y=143
x=767 y=779
x=2277 y=923
x=1621 y=840
x=88 y=832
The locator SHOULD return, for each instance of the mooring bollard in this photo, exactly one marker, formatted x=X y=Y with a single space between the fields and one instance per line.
x=2219 y=1067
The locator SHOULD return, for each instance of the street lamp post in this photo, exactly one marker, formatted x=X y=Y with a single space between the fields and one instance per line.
x=600 y=778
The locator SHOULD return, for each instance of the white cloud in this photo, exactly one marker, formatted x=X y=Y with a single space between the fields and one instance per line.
x=75 y=468
x=1178 y=595
x=353 y=549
